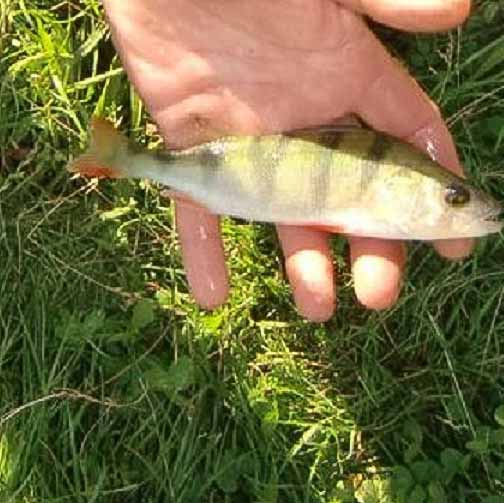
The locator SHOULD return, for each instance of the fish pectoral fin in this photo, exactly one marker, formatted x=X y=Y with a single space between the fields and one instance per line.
x=181 y=197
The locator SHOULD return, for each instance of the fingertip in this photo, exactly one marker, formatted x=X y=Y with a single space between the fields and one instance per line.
x=320 y=315
x=439 y=15
x=371 y=289
x=377 y=267
x=415 y=15
x=209 y=287
x=310 y=271
x=435 y=139
x=454 y=249
x=209 y=290
x=454 y=12
x=209 y=301
x=311 y=278
x=202 y=255
x=315 y=306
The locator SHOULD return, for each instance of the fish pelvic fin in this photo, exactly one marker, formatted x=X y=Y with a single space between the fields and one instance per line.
x=101 y=158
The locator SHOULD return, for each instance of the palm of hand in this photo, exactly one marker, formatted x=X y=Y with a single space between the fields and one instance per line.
x=213 y=67
x=205 y=68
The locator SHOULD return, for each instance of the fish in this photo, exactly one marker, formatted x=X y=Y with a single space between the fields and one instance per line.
x=353 y=180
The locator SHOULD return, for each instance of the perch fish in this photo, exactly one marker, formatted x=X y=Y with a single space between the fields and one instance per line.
x=354 y=180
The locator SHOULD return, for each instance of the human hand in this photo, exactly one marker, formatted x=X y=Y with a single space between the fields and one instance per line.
x=209 y=67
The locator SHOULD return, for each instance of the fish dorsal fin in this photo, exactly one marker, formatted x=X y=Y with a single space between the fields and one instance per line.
x=330 y=135
x=347 y=123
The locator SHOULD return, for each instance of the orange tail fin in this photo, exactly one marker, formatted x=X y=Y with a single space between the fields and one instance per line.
x=100 y=160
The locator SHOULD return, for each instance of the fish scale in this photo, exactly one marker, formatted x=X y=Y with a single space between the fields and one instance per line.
x=354 y=180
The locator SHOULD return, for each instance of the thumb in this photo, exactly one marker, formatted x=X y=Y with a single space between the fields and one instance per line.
x=413 y=15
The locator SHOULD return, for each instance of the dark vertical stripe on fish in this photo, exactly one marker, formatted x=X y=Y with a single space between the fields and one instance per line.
x=378 y=150
x=163 y=156
x=321 y=174
x=371 y=162
x=265 y=158
x=260 y=171
x=210 y=157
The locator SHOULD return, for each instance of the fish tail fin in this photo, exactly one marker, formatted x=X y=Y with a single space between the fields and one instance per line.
x=100 y=159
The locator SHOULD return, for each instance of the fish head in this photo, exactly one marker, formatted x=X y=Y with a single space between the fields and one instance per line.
x=428 y=204
x=464 y=211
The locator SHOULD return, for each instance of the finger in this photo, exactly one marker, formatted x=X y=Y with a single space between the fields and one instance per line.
x=202 y=254
x=377 y=266
x=414 y=15
x=310 y=271
x=454 y=249
x=201 y=244
x=395 y=103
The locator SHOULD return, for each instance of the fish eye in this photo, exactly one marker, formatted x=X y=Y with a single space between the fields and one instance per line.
x=457 y=195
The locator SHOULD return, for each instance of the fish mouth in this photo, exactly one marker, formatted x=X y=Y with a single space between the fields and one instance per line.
x=495 y=219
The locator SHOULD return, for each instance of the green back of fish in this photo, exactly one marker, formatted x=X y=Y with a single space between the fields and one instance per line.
x=318 y=168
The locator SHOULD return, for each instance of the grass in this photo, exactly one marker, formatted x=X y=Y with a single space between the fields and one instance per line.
x=114 y=386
